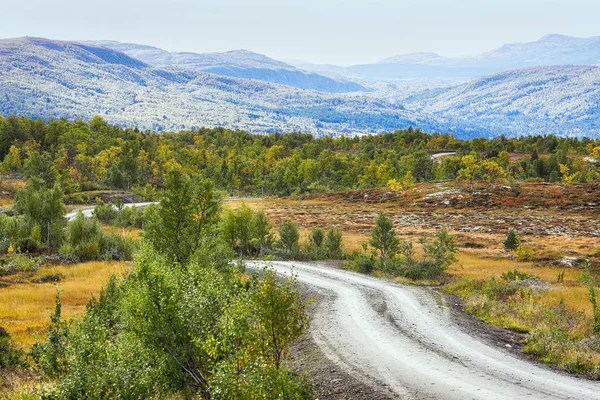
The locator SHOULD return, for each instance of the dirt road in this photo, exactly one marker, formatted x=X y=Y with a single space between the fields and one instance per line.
x=400 y=337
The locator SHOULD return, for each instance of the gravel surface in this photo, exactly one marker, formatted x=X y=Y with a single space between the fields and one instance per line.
x=405 y=341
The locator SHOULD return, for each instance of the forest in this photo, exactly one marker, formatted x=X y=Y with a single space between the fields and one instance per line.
x=84 y=156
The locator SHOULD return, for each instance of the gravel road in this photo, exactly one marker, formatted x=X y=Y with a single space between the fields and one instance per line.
x=401 y=338
x=89 y=211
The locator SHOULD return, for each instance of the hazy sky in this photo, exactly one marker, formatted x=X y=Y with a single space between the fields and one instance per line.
x=319 y=31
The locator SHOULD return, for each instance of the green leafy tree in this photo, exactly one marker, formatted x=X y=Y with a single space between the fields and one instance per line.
x=263 y=231
x=238 y=229
x=43 y=207
x=288 y=238
x=333 y=243
x=442 y=250
x=383 y=239
x=41 y=167
x=423 y=167
x=186 y=215
x=317 y=236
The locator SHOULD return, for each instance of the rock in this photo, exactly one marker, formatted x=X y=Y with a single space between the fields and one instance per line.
x=570 y=261
x=534 y=283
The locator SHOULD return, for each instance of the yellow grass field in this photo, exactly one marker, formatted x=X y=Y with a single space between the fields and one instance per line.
x=25 y=307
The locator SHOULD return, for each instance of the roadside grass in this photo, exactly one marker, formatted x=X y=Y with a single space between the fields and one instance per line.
x=558 y=334
x=25 y=307
x=129 y=232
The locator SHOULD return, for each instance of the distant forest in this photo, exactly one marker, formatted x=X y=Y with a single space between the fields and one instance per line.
x=84 y=156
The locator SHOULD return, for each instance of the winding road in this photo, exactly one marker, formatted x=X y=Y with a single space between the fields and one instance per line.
x=401 y=337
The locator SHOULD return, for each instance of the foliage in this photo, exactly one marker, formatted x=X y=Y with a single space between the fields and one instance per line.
x=96 y=154
x=186 y=216
x=43 y=207
x=10 y=355
x=195 y=325
x=317 y=236
x=51 y=355
x=19 y=263
x=247 y=232
x=87 y=241
x=383 y=239
x=263 y=231
x=515 y=275
x=512 y=241
x=358 y=262
x=333 y=243
x=525 y=253
x=555 y=334
x=288 y=238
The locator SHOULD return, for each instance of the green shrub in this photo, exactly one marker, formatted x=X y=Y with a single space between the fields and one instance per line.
x=117 y=248
x=86 y=241
x=333 y=243
x=525 y=253
x=10 y=356
x=499 y=291
x=19 y=263
x=105 y=213
x=288 y=238
x=26 y=245
x=515 y=275
x=362 y=263
x=427 y=269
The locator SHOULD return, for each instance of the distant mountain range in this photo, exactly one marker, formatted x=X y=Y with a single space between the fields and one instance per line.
x=238 y=64
x=548 y=51
x=558 y=100
x=171 y=91
x=46 y=78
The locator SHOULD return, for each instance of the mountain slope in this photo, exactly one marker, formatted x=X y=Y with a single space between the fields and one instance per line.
x=548 y=51
x=237 y=63
x=559 y=100
x=45 y=78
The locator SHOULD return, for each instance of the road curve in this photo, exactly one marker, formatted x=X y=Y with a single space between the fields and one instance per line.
x=88 y=212
x=414 y=348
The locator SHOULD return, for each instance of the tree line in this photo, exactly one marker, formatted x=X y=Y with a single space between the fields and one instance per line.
x=84 y=156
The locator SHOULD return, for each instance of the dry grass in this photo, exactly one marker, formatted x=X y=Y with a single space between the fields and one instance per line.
x=356 y=220
x=132 y=233
x=24 y=308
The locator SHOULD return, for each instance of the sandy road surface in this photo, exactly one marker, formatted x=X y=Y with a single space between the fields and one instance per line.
x=400 y=337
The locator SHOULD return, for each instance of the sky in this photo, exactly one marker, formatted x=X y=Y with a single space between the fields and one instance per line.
x=341 y=32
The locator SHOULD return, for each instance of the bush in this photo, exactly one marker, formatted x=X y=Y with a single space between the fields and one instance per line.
x=26 y=245
x=427 y=269
x=20 y=264
x=515 y=275
x=500 y=291
x=86 y=241
x=288 y=238
x=512 y=241
x=105 y=213
x=360 y=263
x=333 y=243
x=10 y=356
x=525 y=253
x=117 y=248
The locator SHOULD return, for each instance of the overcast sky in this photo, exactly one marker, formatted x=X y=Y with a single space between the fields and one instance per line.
x=320 y=31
